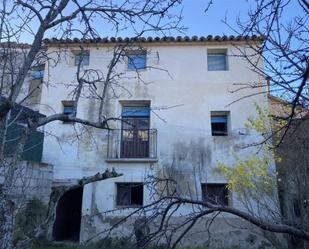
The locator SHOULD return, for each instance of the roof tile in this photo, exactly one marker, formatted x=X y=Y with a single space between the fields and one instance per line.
x=164 y=39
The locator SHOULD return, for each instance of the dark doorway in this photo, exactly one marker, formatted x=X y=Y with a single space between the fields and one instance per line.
x=68 y=216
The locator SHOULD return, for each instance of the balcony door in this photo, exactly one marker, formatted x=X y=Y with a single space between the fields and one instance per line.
x=135 y=132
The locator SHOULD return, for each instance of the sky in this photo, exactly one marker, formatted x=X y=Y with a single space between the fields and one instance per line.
x=211 y=22
x=200 y=22
x=195 y=19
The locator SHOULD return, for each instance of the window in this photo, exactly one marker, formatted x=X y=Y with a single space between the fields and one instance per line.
x=37 y=73
x=216 y=60
x=130 y=194
x=136 y=60
x=81 y=58
x=219 y=123
x=35 y=85
x=68 y=108
x=135 y=131
x=215 y=193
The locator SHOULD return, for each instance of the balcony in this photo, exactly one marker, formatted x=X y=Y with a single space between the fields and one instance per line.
x=132 y=145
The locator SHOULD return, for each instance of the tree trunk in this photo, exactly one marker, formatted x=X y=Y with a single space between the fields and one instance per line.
x=141 y=231
x=6 y=221
x=44 y=231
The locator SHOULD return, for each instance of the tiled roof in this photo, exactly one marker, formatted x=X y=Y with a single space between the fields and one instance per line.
x=164 y=39
x=14 y=45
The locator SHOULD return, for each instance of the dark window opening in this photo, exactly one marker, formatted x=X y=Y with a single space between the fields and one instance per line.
x=219 y=125
x=215 y=193
x=135 y=132
x=68 y=216
x=130 y=194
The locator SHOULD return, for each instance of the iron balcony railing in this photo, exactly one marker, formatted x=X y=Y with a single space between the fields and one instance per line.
x=132 y=143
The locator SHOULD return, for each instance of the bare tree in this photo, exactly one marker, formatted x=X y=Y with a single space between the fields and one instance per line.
x=284 y=51
x=158 y=224
x=283 y=24
x=254 y=179
x=35 y=19
x=68 y=18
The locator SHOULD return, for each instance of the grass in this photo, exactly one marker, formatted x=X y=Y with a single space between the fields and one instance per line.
x=115 y=243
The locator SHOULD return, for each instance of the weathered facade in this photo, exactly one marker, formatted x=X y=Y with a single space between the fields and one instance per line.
x=182 y=116
x=32 y=178
x=292 y=167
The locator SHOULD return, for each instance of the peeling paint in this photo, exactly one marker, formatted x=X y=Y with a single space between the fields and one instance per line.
x=187 y=152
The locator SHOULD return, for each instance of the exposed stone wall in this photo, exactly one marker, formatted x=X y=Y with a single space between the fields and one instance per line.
x=222 y=232
x=36 y=181
x=40 y=177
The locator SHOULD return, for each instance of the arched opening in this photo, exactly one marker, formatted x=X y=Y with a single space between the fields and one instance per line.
x=68 y=216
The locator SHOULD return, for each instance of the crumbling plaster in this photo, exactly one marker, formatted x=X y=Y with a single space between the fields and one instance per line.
x=181 y=102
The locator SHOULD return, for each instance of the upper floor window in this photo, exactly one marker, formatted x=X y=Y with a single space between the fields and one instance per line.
x=37 y=73
x=135 y=131
x=215 y=193
x=217 y=60
x=130 y=194
x=35 y=85
x=69 y=108
x=219 y=123
x=81 y=58
x=136 y=59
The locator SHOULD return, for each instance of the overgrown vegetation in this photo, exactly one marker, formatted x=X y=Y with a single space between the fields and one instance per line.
x=108 y=243
x=115 y=243
x=254 y=176
x=28 y=218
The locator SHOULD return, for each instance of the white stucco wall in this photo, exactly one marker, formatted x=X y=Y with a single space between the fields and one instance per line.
x=184 y=137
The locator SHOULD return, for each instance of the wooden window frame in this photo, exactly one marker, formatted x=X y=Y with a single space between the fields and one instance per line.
x=129 y=185
x=205 y=186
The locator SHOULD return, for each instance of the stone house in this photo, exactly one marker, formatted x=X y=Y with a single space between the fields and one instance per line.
x=33 y=178
x=175 y=98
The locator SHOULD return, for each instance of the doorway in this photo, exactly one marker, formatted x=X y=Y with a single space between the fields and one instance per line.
x=68 y=216
x=135 y=132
